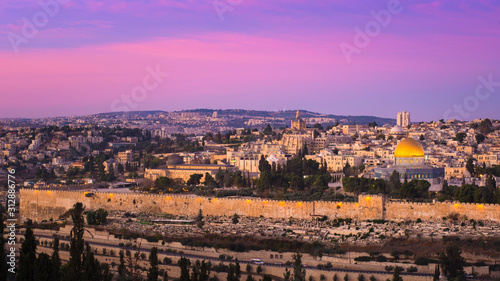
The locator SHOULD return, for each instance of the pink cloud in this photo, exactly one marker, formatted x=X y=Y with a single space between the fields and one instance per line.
x=261 y=66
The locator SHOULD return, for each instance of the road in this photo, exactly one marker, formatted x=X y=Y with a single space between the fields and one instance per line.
x=200 y=257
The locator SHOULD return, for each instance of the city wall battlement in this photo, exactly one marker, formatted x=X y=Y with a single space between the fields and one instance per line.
x=42 y=205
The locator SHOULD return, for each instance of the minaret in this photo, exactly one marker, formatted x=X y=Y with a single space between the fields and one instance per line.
x=298 y=114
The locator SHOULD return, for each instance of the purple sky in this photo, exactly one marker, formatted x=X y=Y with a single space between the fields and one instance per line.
x=93 y=56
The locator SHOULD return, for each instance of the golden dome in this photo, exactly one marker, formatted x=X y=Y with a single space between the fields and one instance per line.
x=409 y=148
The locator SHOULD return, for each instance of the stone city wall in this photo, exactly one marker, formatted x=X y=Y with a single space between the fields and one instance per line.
x=41 y=205
x=397 y=211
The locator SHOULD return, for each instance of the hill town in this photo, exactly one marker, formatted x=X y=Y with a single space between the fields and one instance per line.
x=348 y=196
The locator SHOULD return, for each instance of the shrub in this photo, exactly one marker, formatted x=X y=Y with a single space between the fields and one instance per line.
x=424 y=261
x=220 y=267
x=412 y=269
x=363 y=258
x=407 y=253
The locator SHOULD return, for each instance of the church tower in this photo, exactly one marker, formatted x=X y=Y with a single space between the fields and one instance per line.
x=298 y=124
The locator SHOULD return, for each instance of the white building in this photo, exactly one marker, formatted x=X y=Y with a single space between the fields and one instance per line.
x=403 y=119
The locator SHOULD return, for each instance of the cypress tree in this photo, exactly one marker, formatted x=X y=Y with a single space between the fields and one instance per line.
x=122 y=270
x=452 y=263
x=299 y=272
x=56 y=260
x=90 y=266
x=396 y=276
x=195 y=274
x=205 y=271
x=237 y=270
x=287 y=277
x=153 y=261
x=234 y=272
x=76 y=239
x=44 y=269
x=27 y=257
x=3 y=261
x=437 y=273
x=184 y=264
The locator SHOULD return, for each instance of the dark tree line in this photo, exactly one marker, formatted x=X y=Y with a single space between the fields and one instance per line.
x=3 y=260
x=207 y=183
x=297 y=173
x=82 y=265
x=414 y=189
x=97 y=217
x=472 y=193
x=419 y=189
x=452 y=263
x=43 y=174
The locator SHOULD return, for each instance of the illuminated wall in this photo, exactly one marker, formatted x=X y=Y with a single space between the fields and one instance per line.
x=44 y=205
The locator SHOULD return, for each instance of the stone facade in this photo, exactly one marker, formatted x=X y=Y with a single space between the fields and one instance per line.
x=44 y=205
x=183 y=172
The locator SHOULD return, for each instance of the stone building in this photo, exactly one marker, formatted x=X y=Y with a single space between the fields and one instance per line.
x=183 y=172
x=409 y=160
x=298 y=124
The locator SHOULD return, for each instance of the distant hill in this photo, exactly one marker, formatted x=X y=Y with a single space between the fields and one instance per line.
x=245 y=114
x=290 y=114
x=129 y=113
x=227 y=119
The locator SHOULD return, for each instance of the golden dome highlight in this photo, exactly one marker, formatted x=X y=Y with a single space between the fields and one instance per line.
x=409 y=148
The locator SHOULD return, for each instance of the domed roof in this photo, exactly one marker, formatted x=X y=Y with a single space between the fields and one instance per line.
x=396 y=130
x=272 y=158
x=409 y=148
x=174 y=159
